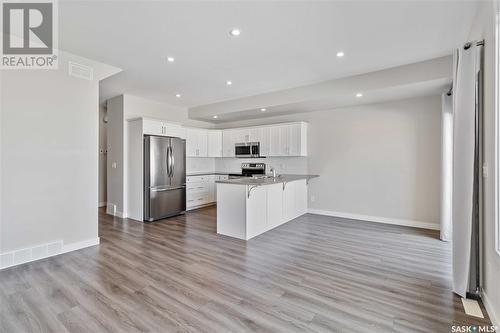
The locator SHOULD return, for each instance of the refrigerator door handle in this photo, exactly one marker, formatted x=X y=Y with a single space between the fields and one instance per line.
x=169 y=162
x=167 y=189
x=173 y=161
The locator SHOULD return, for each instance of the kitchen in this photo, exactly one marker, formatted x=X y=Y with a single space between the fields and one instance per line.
x=154 y=200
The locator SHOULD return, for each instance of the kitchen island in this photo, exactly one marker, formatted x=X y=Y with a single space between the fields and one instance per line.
x=247 y=207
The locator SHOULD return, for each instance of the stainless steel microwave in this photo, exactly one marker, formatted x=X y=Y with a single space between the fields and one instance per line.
x=247 y=149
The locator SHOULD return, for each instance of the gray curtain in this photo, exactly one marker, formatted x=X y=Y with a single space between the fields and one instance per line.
x=446 y=165
x=466 y=154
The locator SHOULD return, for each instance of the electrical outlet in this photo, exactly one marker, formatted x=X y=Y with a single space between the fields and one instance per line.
x=313 y=198
x=113 y=165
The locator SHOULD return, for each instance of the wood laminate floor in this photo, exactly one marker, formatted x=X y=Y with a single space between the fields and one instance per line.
x=316 y=274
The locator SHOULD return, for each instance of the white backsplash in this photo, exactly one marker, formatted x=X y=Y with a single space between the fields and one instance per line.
x=200 y=164
x=290 y=165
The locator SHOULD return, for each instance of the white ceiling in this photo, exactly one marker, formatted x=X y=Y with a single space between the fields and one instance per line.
x=282 y=44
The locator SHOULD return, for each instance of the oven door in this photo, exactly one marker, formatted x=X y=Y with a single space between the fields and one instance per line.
x=242 y=150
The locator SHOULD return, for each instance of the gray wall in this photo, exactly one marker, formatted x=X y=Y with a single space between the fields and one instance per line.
x=380 y=160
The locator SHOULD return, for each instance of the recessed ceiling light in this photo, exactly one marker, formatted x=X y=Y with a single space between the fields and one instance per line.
x=263 y=109
x=215 y=117
x=340 y=54
x=178 y=95
x=229 y=83
x=170 y=59
x=359 y=95
x=235 y=32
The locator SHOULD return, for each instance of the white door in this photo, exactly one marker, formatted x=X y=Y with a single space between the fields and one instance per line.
x=214 y=143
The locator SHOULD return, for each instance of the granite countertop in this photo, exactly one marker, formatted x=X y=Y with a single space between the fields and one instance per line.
x=266 y=181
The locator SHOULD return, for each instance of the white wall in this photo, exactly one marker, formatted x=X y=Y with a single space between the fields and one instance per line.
x=49 y=140
x=378 y=160
x=484 y=28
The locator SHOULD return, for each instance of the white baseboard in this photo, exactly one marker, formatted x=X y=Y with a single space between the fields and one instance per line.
x=378 y=219
x=111 y=210
x=495 y=320
x=22 y=256
x=102 y=204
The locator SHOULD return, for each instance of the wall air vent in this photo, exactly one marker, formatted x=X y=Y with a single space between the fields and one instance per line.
x=80 y=71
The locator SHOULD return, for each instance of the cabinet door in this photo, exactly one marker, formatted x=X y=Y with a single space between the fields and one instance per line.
x=174 y=130
x=300 y=197
x=274 y=205
x=284 y=132
x=214 y=143
x=202 y=142
x=265 y=142
x=256 y=212
x=241 y=135
x=289 y=207
x=191 y=142
x=274 y=141
x=228 y=143
x=211 y=185
x=255 y=134
x=294 y=139
x=152 y=127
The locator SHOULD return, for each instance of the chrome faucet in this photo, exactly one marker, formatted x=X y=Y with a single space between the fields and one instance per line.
x=273 y=170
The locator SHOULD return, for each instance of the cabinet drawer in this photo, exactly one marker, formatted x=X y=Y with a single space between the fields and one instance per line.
x=195 y=179
x=197 y=187
x=197 y=199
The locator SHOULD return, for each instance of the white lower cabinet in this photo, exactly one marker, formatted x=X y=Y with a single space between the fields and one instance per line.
x=201 y=190
x=245 y=211
x=275 y=205
x=256 y=216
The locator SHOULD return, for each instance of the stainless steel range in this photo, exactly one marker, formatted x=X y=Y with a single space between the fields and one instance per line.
x=250 y=170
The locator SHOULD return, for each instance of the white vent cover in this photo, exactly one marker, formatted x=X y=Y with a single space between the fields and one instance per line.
x=81 y=71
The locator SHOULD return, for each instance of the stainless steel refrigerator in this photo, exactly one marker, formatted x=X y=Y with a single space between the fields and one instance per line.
x=164 y=177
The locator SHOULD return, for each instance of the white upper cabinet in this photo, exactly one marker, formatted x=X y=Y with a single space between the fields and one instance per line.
x=214 y=143
x=158 y=127
x=228 y=142
x=274 y=141
x=288 y=139
x=265 y=141
x=255 y=134
x=196 y=142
